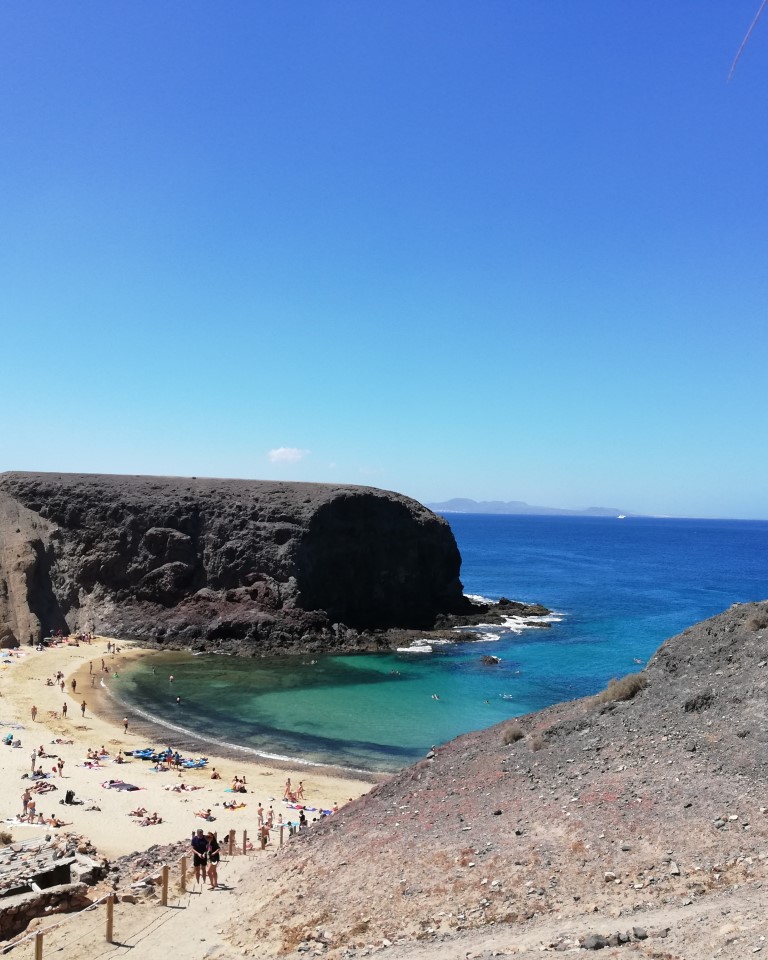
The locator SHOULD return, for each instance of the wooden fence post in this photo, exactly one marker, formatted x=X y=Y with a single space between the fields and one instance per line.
x=164 y=892
x=281 y=834
x=245 y=842
x=231 y=843
x=110 y=916
x=184 y=874
x=38 y=946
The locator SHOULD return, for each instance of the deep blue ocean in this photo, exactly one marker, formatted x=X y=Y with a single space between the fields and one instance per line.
x=619 y=589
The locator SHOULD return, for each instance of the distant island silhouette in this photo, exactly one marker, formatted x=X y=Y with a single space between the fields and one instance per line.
x=518 y=507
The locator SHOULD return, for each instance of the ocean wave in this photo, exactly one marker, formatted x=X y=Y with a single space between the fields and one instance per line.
x=478 y=598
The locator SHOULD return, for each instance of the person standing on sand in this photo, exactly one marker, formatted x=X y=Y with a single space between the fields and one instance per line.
x=34 y=757
x=74 y=684
x=83 y=705
x=199 y=855
x=90 y=667
x=125 y=724
x=34 y=713
x=64 y=710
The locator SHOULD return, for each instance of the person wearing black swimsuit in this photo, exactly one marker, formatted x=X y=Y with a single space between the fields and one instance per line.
x=214 y=853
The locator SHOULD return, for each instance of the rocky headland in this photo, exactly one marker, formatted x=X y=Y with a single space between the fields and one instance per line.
x=248 y=566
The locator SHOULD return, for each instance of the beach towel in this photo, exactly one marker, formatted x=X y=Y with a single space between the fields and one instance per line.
x=119 y=785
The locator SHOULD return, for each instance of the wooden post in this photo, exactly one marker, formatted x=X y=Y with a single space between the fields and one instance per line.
x=281 y=834
x=231 y=843
x=245 y=842
x=263 y=838
x=38 y=946
x=110 y=916
x=164 y=893
x=183 y=874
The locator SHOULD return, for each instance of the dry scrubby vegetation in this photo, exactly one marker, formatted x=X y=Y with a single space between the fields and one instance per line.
x=624 y=689
x=758 y=621
x=513 y=733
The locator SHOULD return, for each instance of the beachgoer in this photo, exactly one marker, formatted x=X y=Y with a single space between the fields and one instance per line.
x=215 y=775
x=199 y=854
x=170 y=679
x=300 y=790
x=260 y=813
x=34 y=757
x=34 y=713
x=73 y=684
x=60 y=766
x=90 y=667
x=335 y=807
x=125 y=724
x=25 y=798
x=31 y=809
x=64 y=710
x=213 y=860
x=287 y=795
x=83 y=705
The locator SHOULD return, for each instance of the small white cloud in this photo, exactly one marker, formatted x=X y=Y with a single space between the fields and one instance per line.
x=287 y=455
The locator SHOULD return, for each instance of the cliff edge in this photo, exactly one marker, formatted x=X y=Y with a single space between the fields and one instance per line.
x=201 y=562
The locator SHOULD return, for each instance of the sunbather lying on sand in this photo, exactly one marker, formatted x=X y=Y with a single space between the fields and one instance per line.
x=205 y=814
x=150 y=821
x=43 y=786
x=138 y=812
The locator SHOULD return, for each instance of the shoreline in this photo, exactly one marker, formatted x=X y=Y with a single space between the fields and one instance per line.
x=112 y=708
x=110 y=827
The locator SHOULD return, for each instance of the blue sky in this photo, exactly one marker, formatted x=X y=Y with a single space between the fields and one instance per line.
x=504 y=250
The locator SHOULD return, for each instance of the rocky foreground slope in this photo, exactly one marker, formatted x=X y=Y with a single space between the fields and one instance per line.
x=635 y=821
x=200 y=562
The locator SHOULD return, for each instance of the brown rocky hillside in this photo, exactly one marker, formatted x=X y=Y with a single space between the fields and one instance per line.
x=640 y=819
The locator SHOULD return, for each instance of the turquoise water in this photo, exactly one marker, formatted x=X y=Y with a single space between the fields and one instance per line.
x=621 y=587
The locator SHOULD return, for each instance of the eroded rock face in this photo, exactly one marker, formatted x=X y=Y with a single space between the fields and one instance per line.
x=202 y=561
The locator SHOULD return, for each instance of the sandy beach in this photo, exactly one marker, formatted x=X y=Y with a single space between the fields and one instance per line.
x=23 y=675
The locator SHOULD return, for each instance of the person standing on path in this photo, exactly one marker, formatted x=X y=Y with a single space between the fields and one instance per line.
x=34 y=713
x=213 y=860
x=199 y=855
x=83 y=705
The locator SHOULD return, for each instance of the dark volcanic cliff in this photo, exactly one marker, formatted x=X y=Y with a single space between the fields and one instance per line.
x=194 y=561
